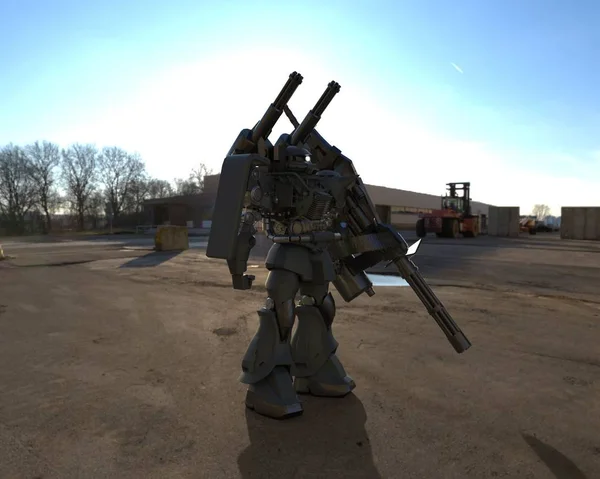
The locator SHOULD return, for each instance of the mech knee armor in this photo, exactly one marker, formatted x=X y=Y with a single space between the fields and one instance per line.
x=266 y=368
x=313 y=342
x=316 y=368
x=267 y=349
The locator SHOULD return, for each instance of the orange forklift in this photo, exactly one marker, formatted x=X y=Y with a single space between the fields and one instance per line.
x=455 y=216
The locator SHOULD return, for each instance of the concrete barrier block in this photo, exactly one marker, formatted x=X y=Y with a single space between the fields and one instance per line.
x=513 y=221
x=503 y=220
x=171 y=238
x=590 y=228
x=580 y=223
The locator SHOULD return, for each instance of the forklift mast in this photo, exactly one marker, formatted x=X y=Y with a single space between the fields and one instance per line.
x=465 y=188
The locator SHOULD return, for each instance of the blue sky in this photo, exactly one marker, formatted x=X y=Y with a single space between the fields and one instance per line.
x=177 y=80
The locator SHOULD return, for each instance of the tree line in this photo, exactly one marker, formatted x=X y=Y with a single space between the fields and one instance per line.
x=41 y=182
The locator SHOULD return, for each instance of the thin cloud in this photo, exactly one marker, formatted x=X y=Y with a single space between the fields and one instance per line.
x=456 y=67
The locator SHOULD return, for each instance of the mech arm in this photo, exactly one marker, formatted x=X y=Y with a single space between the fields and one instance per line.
x=367 y=242
x=238 y=264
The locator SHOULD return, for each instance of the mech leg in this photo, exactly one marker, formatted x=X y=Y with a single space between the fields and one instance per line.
x=267 y=363
x=317 y=369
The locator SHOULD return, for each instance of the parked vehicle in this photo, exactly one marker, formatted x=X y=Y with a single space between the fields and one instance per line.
x=454 y=217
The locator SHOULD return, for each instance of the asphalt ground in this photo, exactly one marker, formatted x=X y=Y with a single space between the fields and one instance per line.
x=121 y=362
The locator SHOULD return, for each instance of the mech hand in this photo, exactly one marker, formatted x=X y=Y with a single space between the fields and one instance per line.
x=242 y=281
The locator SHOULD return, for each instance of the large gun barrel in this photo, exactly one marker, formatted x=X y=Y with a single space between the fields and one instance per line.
x=264 y=127
x=434 y=306
x=312 y=118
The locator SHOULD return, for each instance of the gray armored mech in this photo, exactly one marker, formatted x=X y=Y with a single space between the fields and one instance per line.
x=325 y=229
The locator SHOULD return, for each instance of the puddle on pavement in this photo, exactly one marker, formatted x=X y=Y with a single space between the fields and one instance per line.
x=376 y=279
x=198 y=244
x=386 y=280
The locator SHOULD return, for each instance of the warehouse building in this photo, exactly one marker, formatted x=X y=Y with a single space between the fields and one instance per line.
x=400 y=208
x=185 y=210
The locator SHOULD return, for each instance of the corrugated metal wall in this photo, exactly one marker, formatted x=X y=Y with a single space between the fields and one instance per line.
x=581 y=223
x=503 y=221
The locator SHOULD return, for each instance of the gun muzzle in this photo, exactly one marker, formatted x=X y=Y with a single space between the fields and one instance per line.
x=332 y=90
x=264 y=127
x=312 y=118
x=287 y=91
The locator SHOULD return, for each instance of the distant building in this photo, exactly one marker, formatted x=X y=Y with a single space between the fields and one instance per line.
x=184 y=210
x=400 y=208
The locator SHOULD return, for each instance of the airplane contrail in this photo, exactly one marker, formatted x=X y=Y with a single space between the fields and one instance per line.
x=456 y=67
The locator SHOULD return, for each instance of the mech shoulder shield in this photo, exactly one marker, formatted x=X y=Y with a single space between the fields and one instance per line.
x=227 y=212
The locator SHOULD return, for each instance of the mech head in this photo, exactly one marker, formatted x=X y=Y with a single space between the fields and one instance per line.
x=296 y=154
x=286 y=155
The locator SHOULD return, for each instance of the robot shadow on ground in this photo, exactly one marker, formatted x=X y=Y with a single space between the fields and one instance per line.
x=560 y=465
x=151 y=259
x=328 y=440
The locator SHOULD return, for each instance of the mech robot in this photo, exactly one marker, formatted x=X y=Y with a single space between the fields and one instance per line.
x=325 y=229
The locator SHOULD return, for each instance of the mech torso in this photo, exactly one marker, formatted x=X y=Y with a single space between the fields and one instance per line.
x=299 y=201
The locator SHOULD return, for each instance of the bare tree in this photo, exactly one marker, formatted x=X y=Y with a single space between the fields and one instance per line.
x=138 y=192
x=79 y=173
x=159 y=188
x=541 y=211
x=118 y=171
x=95 y=208
x=18 y=192
x=194 y=183
x=186 y=187
x=44 y=158
x=197 y=176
